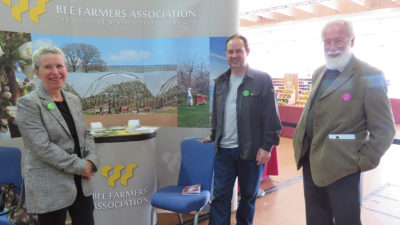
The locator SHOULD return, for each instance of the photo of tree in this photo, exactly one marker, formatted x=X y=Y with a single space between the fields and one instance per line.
x=161 y=82
x=193 y=94
x=145 y=79
x=15 y=58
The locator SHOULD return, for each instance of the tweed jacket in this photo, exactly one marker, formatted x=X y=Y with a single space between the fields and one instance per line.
x=50 y=162
x=356 y=104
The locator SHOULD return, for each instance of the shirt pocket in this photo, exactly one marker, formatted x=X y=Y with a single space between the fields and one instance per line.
x=251 y=95
x=251 y=102
x=254 y=92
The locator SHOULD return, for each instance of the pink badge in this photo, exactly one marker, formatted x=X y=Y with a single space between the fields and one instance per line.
x=346 y=97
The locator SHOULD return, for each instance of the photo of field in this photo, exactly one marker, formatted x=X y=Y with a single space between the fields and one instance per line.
x=118 y=79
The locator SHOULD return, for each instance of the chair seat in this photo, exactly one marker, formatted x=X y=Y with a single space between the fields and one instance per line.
x=4 y=219
x=181 y=203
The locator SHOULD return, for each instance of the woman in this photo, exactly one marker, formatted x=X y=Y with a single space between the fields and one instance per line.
x=60 y=157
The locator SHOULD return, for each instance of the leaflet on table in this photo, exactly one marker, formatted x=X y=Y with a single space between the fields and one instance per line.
x=121 y=130
x=141 y=130
x=98 y=129
x=117 y=128
x=191 y=189
x=102 y=132
x=97 y=126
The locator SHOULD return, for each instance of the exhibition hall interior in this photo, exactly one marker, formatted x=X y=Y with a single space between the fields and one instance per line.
x=285 y=41
x=141 y=79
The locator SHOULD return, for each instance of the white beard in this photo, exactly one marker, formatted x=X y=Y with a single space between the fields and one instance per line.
x=339 y=62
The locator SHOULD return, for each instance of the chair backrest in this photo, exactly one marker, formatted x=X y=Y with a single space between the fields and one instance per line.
x=10 y=166
x=197 y=163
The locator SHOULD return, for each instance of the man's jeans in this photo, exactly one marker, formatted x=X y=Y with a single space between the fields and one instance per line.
x=227 y=167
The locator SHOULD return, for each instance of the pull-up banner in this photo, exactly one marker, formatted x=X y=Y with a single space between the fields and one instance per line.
x=149 y=60
x=121 y=18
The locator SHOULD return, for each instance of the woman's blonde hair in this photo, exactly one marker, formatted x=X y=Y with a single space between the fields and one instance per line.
x=46 y=50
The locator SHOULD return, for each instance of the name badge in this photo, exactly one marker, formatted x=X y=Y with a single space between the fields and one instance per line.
x=342 y=136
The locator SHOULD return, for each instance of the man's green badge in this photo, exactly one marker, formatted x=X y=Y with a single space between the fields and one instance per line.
x=246 y=93
x=51 y=106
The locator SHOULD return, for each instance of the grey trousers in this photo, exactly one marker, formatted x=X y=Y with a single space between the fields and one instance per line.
x=336 y=204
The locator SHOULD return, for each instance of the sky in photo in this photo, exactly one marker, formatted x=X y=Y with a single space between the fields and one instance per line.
x=218 y=62
x=136 y=51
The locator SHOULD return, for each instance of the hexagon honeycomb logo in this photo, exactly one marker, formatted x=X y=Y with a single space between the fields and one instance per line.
x=112 y=179
x=23 y=7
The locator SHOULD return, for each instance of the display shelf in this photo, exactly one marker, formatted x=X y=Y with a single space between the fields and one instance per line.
x=292 y=90
x=304 y=90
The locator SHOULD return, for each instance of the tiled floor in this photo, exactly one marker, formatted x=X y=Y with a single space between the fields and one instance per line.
x=284 y=204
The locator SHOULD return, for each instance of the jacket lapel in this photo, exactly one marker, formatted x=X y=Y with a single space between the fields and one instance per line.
x=342 y=78
x=318 y=78
x=45 y=100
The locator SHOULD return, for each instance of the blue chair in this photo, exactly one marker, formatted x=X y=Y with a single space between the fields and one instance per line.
x=10 y=172
x=197 y=167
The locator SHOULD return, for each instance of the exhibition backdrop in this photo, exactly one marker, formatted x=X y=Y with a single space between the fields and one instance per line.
x=153 y=59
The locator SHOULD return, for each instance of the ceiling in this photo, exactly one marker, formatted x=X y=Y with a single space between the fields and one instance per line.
x=264 y=12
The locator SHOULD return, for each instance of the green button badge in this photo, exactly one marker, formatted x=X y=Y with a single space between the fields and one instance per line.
x=51 y=106
x=246 y=93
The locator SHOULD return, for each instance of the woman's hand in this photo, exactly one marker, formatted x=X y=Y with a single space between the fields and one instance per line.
x=207 y=139
x=88 y=170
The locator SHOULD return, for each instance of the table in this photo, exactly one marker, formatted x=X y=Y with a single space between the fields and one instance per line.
x=396 y=139
x=271 y=168
x=289 y=116
x=126 y=180
x=395 y=102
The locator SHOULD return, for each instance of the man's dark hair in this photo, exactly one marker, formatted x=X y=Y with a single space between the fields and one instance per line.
x=243 y=38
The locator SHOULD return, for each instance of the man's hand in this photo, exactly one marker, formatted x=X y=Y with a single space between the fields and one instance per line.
x=88 y=170
x=207 y=139
x=263 y=156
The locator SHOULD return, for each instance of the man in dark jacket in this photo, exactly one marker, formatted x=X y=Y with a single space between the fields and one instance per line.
x=245 y=126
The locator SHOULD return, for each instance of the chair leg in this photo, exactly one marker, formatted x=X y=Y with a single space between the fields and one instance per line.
x=196 y=218
x=180 y=219
x=153 y=215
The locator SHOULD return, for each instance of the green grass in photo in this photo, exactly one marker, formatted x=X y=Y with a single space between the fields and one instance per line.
x=165 y=111
x=194 y=116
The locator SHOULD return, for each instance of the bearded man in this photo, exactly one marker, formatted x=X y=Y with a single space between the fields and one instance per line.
x=346 y=126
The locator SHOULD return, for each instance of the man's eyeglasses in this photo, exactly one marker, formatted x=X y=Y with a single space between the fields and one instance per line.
x=336 y=42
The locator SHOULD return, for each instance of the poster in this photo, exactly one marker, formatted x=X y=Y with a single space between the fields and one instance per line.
x=147 y=60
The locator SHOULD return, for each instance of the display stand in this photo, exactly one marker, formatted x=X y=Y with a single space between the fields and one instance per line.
x=292 y=90
x=126 y=179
